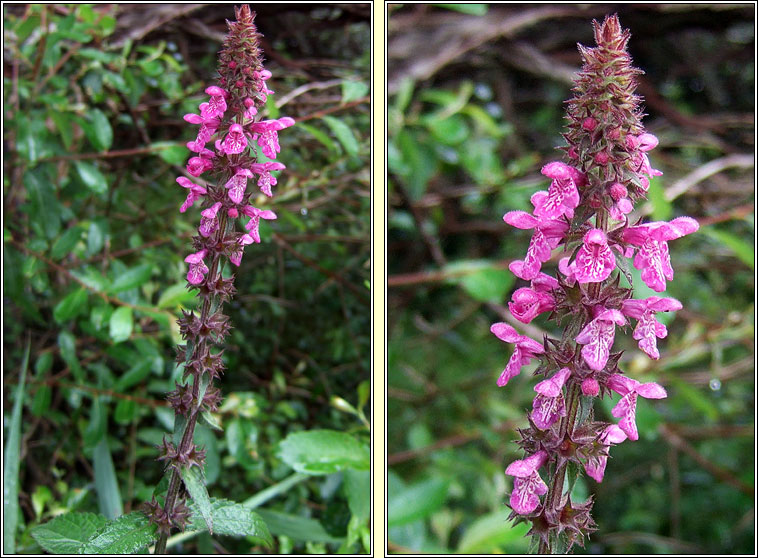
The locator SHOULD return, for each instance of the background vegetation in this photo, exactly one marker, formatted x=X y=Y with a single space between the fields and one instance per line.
x=475 y=110
x=94 y=274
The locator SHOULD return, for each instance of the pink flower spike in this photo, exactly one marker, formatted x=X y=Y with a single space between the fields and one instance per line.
x=594 y=260
x=526 y=349
x=235 y=141
x=237 y=184
x=597 y=337
x=209 y=222
x=527 y=486
x=197 y=268
x=626 y=408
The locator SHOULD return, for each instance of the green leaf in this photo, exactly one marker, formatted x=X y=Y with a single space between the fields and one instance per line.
x=492 y=534
x=195 y=485
x=470 y=9
x=121 y=324
x=46 y=210
x=102 y=133
x=95 y=237
x=66 y=534
x=42 y=399
x=92 y=177
x=170 y=151
x=64 y=124
x=357 y=486
x=319 y=135
x=65 y=243
x=480 y=279
x=353 y=90
x=67 y=347
x=743 y=249
x=12 y=462
x=126 y=411
x=416 y=501
x=71 y=306
x=132 y=278
x=321 y=452
x=124 y=535
x=175 y=295
x=134 y=375
x=416 y=163
x=344 y=134
x=106 y=485
x=296 y=527
x=232 y=519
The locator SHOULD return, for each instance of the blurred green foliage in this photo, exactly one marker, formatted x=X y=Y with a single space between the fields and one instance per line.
x=94 y=272
x=466 y=142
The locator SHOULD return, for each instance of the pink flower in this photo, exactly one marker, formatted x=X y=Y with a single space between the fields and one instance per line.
x=237 y=184
x=235 y=141
x=562 y=196
x=209 y=222
x=216 y=107
x=648 y=328
x=195 y=192
x=569 y=270
x=597 y=337
x=266 y=180
x=549 y=404
x=594 y=260
x=547 y=235
x=197 y=268
x=622 y=204
x=198 y=165
x=652 y=257
x=527 y=486
x=595 y=467
x=250 y=110
x=526 y=349
x=236 y=256
x=526 y=304
x=208 y=127
x=629 y=389
x=265 y=130
x=590 y=387
x=256 y=215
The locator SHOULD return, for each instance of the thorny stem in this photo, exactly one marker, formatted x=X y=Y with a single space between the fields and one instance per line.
x=189 y=432
x=555 y=487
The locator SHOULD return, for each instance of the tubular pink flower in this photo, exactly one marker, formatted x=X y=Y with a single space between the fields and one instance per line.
x=597 y=337
x=237 y=184
x=197 y=268
x=548 y=233
x=594 y=260
x=236 y=256
x=203 y=162
x=216 y=107
x=652 y=256
x=526 y=349
x=209 y=222
x=526 y=304
x=629 y=389
x=648 y=328
x=527 y=485
x=595 y=467
x=562 y=196
x=256 y=215
x=590 y=387
x=195 y=192
x=548 y=406
x=266 y=180
x=266 y=133
x=235 y=141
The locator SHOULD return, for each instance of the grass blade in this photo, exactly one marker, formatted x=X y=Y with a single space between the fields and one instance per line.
x=12 y=462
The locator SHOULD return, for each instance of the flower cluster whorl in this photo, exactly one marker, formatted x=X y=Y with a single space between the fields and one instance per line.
x=584 y=212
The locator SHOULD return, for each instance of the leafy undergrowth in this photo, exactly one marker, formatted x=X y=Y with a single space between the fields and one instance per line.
x=94 y=277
